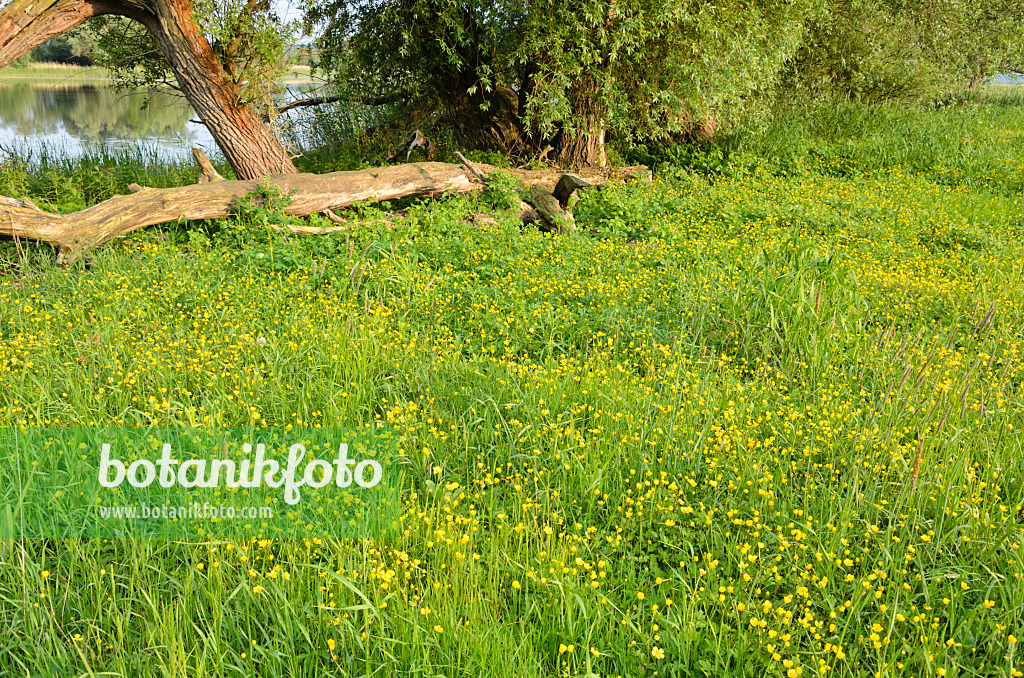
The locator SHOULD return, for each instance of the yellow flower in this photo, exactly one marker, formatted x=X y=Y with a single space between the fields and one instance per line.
x=990 y=603
x=658 y=653
x=330 y=644
x=439 y=629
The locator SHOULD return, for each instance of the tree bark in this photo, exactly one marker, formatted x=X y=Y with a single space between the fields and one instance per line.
x=496 y=127
x=249 y=145
x=25 y=24
x=582 y=145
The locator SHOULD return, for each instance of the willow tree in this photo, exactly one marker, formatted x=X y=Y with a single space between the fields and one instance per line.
x=523 y=74
x=221 y=53
x=873 y=50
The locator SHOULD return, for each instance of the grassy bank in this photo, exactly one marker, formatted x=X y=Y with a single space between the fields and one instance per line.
x=760 y=419
x=40 y=69
x=54 y=70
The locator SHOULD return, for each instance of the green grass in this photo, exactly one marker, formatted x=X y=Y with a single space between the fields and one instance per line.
x=754 y=420
x=975 y=142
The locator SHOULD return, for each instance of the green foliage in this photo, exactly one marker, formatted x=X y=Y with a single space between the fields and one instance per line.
x=504 y=191
x=248 y=39
x=872 y=50
x=648 y=72
x=130 y=54
x=969 y=144
x=78 y=46
x=644 y=70
x=251 y=232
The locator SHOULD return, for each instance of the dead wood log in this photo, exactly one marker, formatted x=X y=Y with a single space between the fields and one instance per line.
x=216 y=198
x=527 y=214
x=310 y=193
x=566 y=186
x=24 y=202
x=308 y=230
x=551 y=213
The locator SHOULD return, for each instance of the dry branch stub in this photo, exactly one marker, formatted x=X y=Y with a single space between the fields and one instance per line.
x=208 y=172
x=333 y=217
x=471 y=166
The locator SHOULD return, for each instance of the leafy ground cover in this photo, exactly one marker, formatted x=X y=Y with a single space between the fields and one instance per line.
x=761 y=417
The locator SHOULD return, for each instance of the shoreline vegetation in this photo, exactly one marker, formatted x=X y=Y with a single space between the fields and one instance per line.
x=296 y=74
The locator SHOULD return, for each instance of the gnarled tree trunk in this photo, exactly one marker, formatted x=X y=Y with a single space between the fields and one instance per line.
x=582 y=145
x=485 y=122
x=250 y=146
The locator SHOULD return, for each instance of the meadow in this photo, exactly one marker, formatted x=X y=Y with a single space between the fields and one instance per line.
x=760 y=417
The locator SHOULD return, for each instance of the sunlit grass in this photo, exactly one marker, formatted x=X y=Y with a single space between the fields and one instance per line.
x=748 y=424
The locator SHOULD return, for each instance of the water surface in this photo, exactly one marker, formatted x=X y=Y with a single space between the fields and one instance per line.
x=75 y=117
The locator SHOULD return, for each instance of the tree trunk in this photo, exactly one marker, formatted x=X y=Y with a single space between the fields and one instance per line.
x=584 y=144
x=25 y=24
x=248 y=144
x=494 y=128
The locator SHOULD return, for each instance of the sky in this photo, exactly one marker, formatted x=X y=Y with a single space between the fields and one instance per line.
x=289 y=9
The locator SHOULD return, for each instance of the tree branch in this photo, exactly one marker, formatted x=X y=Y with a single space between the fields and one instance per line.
x=308 y=101
x=25 y=24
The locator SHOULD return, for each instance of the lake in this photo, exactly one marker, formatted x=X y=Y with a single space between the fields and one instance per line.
x=74 y=117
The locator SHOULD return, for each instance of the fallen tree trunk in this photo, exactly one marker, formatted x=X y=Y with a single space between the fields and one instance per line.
x=215 y=198
x=551 y=213
x=310 y=193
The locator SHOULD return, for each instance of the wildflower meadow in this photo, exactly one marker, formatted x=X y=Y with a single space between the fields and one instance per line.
x=759 y=417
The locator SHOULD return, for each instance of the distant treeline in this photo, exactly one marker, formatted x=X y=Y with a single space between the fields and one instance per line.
x=79 y=47
x=83 y=46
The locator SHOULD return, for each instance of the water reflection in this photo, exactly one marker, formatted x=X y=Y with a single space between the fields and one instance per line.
x=72 y=118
